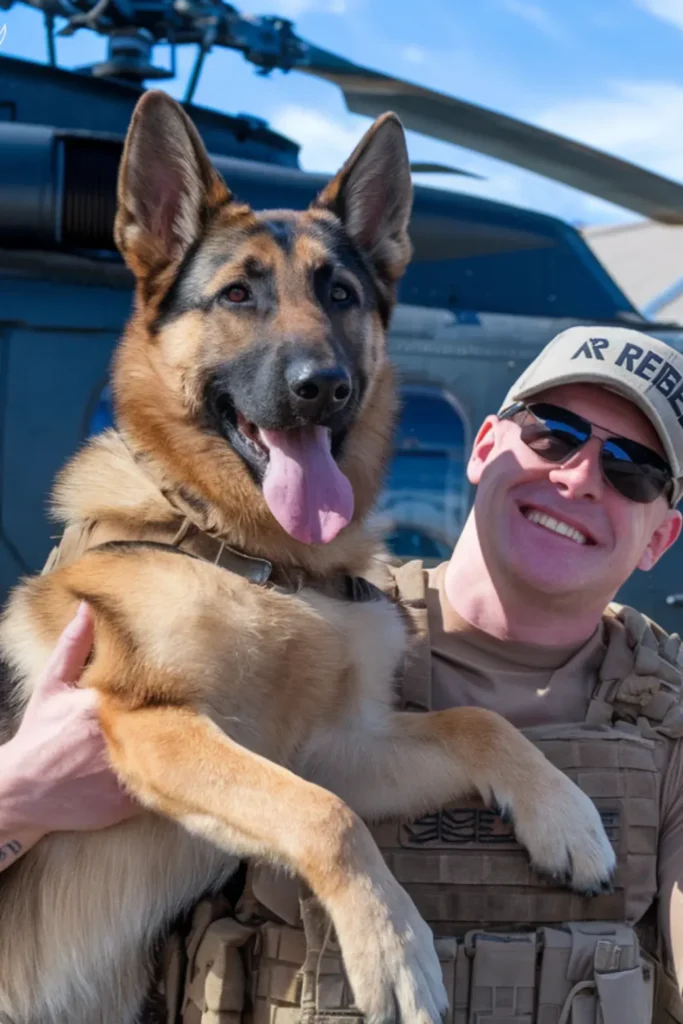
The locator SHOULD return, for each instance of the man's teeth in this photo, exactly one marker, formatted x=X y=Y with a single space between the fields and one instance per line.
x=555 y=525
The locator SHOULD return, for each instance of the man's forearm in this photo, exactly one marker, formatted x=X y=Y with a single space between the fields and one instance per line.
x=17 y=833
x=13 y=845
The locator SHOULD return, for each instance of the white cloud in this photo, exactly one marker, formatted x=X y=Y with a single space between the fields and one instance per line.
x=413 y=54
x=535 y=15
x=325 y=142
x=510 y=184
x=667 y=10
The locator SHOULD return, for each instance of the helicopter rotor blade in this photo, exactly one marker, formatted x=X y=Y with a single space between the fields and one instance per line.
x=485 y=131
x=419 y=167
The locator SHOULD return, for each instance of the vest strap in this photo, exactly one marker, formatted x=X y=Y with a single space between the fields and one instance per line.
x=641 y=676
x=416 y=677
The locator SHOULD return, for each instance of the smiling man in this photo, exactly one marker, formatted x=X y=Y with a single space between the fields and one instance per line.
x=577 y=479
x=548 y=544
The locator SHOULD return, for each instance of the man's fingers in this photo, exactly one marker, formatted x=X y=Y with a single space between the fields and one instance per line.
x=69 y=656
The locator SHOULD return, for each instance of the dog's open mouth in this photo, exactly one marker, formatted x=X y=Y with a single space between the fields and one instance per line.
x=302 y=484
x=250 y=437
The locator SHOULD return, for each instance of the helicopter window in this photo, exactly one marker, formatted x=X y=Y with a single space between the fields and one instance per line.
x=425 y=498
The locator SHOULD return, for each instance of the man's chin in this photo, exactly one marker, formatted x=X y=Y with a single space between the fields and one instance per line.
x=558 y=584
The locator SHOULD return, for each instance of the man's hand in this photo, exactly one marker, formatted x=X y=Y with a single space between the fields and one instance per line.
x=54 y=773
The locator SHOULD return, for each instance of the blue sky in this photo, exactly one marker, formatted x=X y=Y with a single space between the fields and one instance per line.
x=606 y=72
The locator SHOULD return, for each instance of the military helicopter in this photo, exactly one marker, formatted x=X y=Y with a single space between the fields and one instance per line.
x=488 y=286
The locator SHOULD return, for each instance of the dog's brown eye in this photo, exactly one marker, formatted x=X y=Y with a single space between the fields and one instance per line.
x=340 y=293
x=236 y=293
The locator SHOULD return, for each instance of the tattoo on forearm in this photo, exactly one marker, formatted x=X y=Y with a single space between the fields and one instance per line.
x=11 y=849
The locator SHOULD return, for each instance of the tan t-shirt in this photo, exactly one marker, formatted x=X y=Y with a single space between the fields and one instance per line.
x=526 y=683
x=531 y=685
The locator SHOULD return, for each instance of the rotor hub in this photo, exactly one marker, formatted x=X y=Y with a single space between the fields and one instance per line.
x=129 y=57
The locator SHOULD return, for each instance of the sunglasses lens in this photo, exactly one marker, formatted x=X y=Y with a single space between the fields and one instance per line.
x=634 y=470
x=553 y=433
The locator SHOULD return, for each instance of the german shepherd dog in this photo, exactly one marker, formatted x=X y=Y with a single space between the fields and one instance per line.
x=252 y=717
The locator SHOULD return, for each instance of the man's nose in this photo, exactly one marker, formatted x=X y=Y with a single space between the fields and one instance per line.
x=580 y=477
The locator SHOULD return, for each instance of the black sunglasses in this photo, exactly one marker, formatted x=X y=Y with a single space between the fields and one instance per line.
x=556 y=434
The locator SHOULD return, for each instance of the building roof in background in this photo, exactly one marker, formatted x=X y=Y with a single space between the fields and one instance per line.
x=646 y=260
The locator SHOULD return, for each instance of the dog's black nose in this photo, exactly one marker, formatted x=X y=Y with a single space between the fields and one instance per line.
x=316 y=390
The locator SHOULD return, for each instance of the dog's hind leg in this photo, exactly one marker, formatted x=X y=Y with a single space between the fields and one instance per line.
x=180 y=764
x=421 y=762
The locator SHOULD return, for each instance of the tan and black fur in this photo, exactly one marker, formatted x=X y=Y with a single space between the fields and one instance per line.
x=250 y=721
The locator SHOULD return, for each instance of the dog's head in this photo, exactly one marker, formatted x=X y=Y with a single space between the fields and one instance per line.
x=254 y=368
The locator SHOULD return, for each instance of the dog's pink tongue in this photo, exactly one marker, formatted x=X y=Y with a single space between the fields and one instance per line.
x=305 y=489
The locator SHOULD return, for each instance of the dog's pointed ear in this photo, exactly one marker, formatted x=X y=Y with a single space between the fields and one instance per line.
x=372 y=195
x=166 y=186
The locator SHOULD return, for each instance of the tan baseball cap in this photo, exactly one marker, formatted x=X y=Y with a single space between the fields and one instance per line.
x=643 y=369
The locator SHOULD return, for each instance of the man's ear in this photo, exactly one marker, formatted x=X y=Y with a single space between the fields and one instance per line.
x=166 y=186
x=484 y=444
x=664 y=536
x=373 y=194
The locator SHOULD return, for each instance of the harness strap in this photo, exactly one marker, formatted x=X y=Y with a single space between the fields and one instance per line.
x=189 y=540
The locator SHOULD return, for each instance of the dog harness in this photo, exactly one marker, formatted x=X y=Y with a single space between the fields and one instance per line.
x=189 y=540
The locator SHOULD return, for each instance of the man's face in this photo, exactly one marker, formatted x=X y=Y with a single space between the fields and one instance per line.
x=618 y=535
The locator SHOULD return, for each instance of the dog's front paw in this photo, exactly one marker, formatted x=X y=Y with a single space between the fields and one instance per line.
x=389 y=956
x=562 y=831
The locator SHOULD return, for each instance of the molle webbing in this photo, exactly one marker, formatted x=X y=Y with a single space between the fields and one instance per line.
x=572 y=973
x=463 y=867
x=640 y=676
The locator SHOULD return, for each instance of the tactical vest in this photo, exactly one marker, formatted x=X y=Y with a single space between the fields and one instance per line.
x=513 y=946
